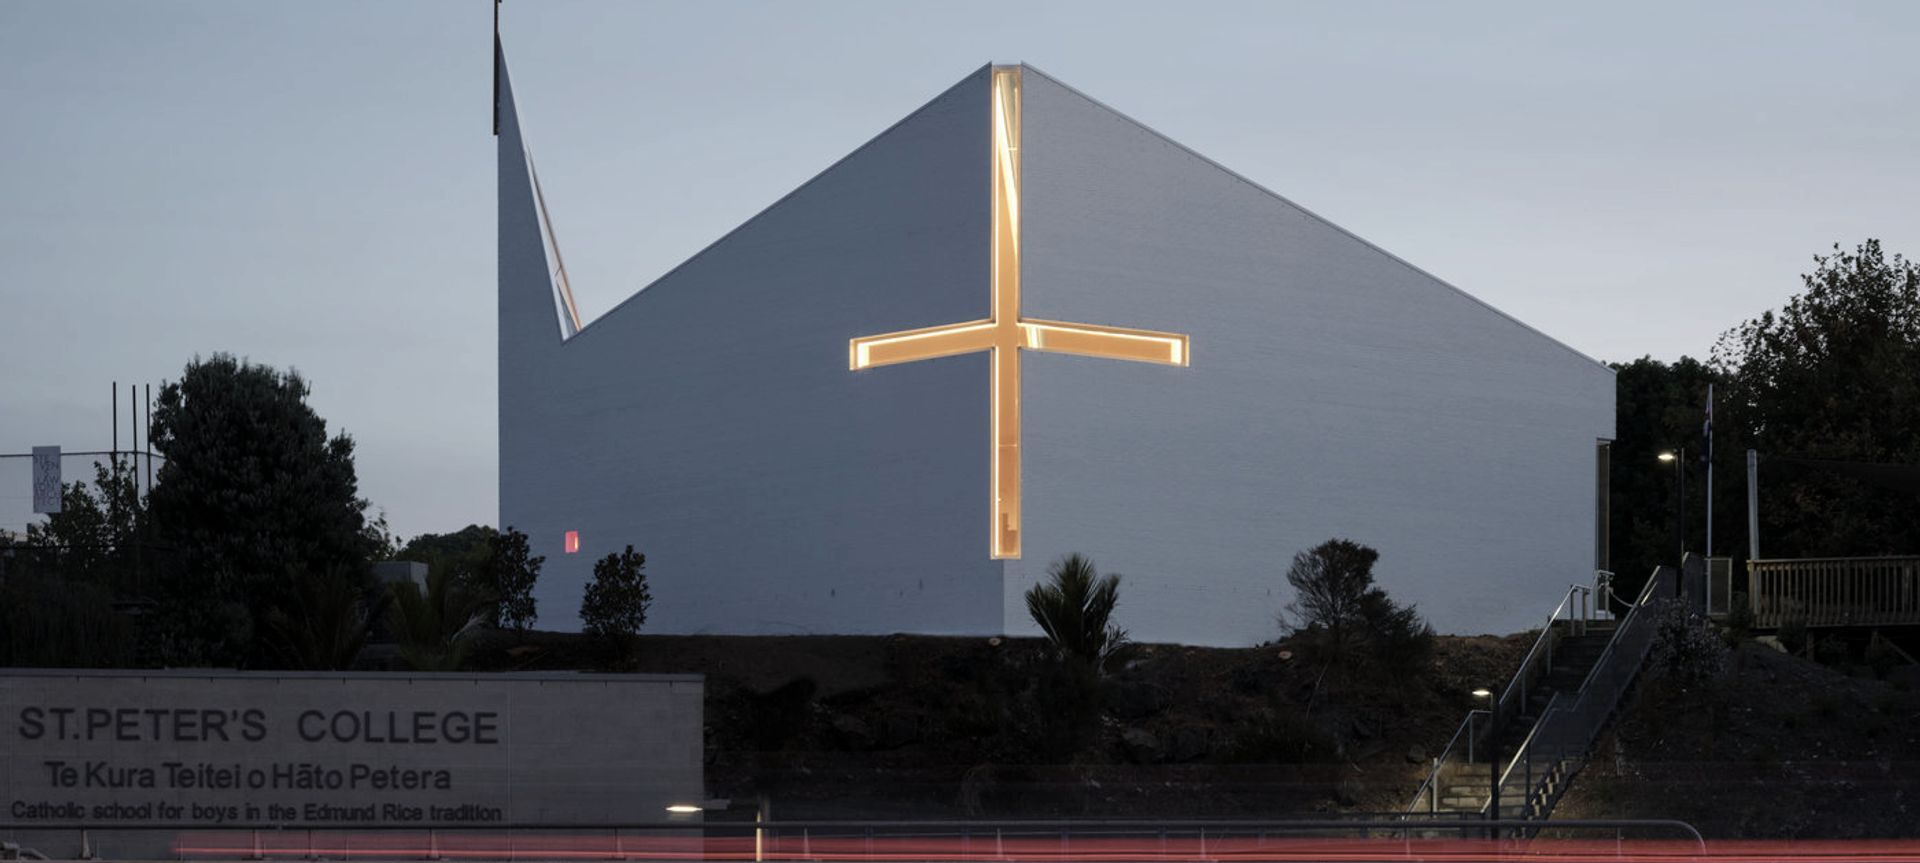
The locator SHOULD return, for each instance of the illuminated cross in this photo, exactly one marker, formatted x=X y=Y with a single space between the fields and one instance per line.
x=1006 y=333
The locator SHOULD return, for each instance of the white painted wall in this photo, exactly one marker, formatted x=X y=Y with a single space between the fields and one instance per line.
x=711 y=420
x=1335 y=391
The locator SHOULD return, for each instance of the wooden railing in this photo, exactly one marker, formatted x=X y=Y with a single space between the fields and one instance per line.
x=1835 y=591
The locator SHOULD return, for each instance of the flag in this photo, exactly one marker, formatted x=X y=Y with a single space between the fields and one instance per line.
x=1706 y=430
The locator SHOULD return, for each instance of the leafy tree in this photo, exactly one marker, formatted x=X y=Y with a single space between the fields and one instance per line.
x=616 y=602
x=1330 y=582
x=509 y=574
x=322 y=621
x=497 y=564
x=59 y=583
x=1074 y=608
x=251 y=486
x=1835 y=375
x=435 y=628
x=1659 y=408
x=96 y=535
x=1342 y=614
x=469 y=543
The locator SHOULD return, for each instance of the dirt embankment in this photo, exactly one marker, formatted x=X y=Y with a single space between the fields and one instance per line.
x=1777 y=747
x=916 y=726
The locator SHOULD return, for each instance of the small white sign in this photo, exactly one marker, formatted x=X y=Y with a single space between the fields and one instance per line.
x=46 y=479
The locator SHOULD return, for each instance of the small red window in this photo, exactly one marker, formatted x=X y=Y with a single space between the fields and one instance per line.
x=573 y=541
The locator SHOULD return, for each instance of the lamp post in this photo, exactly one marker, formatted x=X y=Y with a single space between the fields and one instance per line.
x=1493 y=758
x=1679 y=460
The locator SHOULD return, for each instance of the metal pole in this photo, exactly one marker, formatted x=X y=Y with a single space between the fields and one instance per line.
x=116 y=424
x=1680 y=506
x=1709 y=472
x=1493 y=768
x=149 y=415
x=1753 y=504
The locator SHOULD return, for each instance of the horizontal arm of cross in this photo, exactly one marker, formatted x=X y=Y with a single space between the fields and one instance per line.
x=922 y=344
x=1118 y=343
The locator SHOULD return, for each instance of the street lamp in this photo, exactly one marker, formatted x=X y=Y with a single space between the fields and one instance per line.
x=1493 y=758
x=1679 y=460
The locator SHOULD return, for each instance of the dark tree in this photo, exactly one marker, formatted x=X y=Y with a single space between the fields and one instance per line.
x=96 y=535
x=1340 y=612
x=1074 y=607
x=470 y=543
x=252 y=485
x=510 y=574
x=1660 y=407
x=616 y=602
x=1833 y=376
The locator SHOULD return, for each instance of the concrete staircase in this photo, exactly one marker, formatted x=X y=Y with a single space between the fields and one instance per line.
x=1465 y=789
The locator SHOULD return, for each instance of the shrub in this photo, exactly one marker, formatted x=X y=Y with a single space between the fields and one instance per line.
x=1074 y=609
x=1339 y=612
x=1685 y=645
x=616 y=602
x=1276 y=736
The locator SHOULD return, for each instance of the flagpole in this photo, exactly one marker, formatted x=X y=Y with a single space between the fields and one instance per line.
x=1709 y=469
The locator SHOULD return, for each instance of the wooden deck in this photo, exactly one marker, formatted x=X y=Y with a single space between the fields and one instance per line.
x=1835 y=591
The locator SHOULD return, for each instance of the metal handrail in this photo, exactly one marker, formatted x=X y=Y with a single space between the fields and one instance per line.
x=1524 y=750
x=1871 y=559
x=1544 y=641
x=1550 y=717
x=1431 y=785
x=1646 y=593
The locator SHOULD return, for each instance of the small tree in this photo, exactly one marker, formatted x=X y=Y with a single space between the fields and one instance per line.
x=616 y=602
x=1330 y=583
x=510 y=572
x=1074 y=608
x=1338 y=607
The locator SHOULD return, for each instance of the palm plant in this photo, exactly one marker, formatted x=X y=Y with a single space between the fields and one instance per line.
x=1074 y=608
x=435 y=627
x=324 y=619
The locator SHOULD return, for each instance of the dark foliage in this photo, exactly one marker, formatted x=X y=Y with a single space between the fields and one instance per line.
x=50 y=621
x=1835 y=375
x=1339 y=614
x=323 y=618
x=616 y=601
x=1660 y=407
x=509 y=575
x=435 y=626
x=467 y=545
x=252 y=485
x=1074 y=608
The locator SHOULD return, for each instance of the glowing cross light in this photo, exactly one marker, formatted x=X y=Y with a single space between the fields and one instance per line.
x=1006 y=333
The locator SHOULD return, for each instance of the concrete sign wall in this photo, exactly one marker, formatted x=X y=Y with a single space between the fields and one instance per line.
x=343 y=750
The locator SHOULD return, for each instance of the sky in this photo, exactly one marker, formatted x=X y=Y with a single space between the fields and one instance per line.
x=310 y=184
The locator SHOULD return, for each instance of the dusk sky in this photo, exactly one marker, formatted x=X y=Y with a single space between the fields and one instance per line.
x=311 y=184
